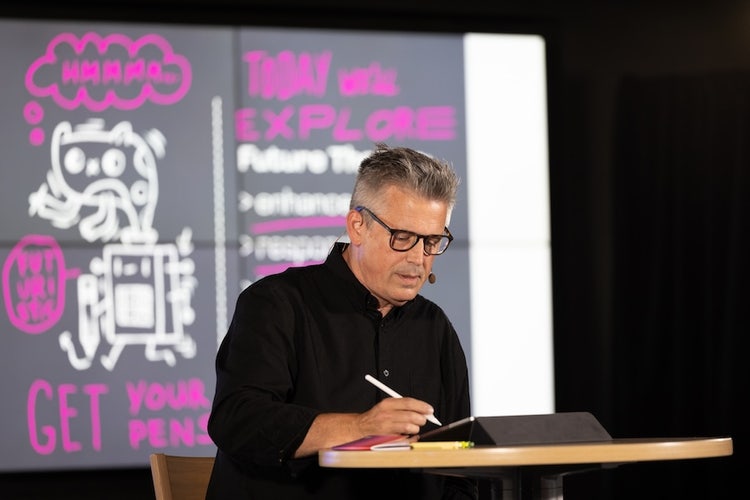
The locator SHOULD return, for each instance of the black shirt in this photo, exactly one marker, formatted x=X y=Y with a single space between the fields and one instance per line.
x=300 y=344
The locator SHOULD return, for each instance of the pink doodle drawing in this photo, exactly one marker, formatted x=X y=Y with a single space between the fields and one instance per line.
x=34 y=276
x=99 y=72
x=135 y=295
x=103 y=181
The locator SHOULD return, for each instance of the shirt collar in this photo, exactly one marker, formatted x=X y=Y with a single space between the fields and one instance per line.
x=361 y=295
x=336 y=263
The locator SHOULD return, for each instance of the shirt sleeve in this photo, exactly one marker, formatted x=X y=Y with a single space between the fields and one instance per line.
x=250 y=419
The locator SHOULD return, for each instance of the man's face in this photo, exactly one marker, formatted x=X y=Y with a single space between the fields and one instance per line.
x=395 y=277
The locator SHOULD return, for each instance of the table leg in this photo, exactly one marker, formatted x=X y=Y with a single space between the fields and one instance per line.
x=526 y=488
x=550 y=488
x=503 y=489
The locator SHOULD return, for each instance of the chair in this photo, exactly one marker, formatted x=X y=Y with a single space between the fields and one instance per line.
x=180 y=478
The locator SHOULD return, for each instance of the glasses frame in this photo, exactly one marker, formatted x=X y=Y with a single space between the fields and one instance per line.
x=422 y=237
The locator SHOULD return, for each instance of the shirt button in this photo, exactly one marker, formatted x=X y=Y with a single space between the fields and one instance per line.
x=386 y=373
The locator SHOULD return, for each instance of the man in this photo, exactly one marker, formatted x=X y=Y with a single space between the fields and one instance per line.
x=290 y=371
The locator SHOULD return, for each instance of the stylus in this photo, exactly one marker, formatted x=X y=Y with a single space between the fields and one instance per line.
x=380 y=385
x=442 y=445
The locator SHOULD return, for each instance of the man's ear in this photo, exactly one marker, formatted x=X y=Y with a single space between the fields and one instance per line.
x=355 y=225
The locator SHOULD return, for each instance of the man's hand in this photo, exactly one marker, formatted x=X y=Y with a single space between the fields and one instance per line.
x=390 y=416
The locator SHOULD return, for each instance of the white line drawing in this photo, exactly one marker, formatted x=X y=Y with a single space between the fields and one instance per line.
x=139 y=291
x=135 y=295
x=103 y=181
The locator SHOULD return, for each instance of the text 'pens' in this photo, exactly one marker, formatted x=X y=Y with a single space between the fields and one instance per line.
x=442 y=445
x=380 y=385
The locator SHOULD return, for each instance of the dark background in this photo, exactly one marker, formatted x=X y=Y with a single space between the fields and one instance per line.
x=649 y=179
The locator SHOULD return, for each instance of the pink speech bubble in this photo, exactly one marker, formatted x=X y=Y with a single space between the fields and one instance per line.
x=34 y=277
x=112 y=71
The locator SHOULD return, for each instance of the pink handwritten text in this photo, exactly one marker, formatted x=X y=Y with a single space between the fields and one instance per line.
x=34 y=277
x=287 y=74
x=159 y=431
x=429 y=123
x=155 y=396
x=369 y=80
x=44 y=399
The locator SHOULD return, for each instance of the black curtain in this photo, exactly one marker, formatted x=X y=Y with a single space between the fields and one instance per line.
x=681 y=277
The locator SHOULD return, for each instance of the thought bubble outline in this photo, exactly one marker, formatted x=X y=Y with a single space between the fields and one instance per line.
x=102 y=44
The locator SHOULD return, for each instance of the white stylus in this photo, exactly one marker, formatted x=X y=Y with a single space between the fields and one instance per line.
x=380 y=385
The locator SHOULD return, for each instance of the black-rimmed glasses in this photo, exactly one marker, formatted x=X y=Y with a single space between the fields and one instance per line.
x=403 y=240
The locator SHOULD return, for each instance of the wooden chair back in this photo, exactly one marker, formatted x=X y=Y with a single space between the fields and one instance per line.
x=180 y=477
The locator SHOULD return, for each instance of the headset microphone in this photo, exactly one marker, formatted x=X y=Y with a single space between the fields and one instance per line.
x=431 y=278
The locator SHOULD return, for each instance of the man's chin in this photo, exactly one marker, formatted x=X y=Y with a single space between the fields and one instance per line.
x=405 y=296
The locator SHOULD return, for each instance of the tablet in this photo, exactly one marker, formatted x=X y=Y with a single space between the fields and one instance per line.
x=565 y=427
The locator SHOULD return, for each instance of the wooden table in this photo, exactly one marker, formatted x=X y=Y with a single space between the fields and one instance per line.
x=531 y=471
